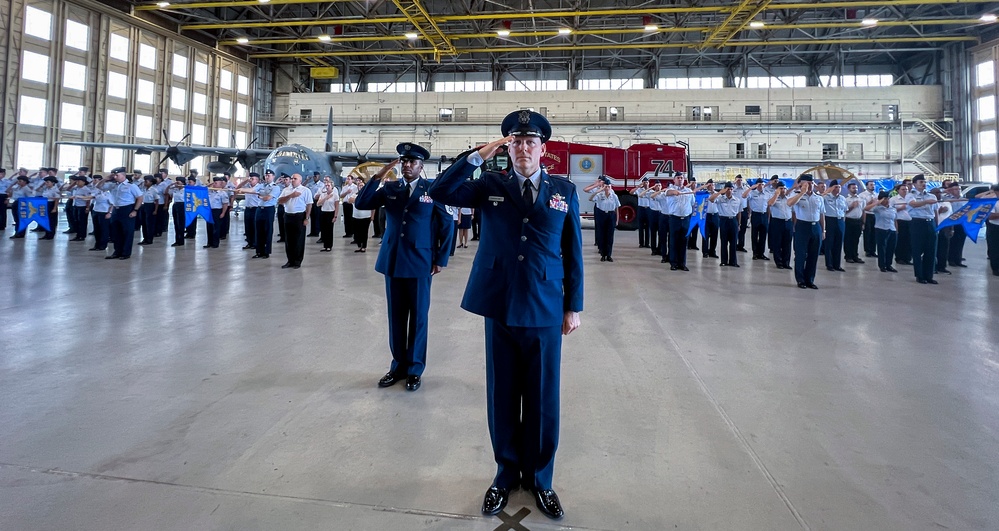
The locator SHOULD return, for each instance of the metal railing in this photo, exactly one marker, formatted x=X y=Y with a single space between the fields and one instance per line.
x=727 y=155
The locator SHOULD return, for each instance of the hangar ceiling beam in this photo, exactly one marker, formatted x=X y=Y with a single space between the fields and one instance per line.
x=424 y=24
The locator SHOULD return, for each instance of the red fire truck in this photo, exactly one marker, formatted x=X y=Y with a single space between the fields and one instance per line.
x=584 y=163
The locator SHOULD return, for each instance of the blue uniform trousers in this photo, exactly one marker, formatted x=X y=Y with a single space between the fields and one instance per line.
x=102 y=229
x=643 y=227
x=215 y=228
x=807 y=237
x=3 y=211
x=654 y=230
x=522 y=400
x=761 y=228
x=604 y=224
x=835 y=228
x=780 y=234
x=851 y=237
x=886 y=240
x=956 y=254
x=53 y=212
x=179 y=218
x=162 y=220
x=148 y=221
x=992 y=241
x=82 y=221
x=870 y=243
x=250 y=225
x=664 y=248
x=122 y=230
x=709 y=243
x=678 y=229
x=729 y=229
x=923 y=236
x=264 y=231
x=743 y=223
x=408 y=314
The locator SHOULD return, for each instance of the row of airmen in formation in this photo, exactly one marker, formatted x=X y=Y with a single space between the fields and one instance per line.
x=812 y=218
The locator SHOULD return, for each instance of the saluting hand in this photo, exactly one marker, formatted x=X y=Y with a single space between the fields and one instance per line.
x=570 y=322
x=490 y=149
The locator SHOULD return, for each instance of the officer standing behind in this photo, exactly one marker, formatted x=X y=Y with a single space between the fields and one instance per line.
x=870 y=242
x=416 y=245
x=682 y=207
x=100 y=205
x=835 y=211
x=903 y=251
x=739 y=189
x=218 y=200
x=922 y=207
x=527 y=281
x=643 y=212
x=50 y=190
x=175 y=193
x=757 y=200
x=79 y=193
x=297 y=201
x=126 y=201
x=191 y=232
x=605 y=215
x=808 y=207
x=20 y=188
x=150 y=209
x=781 y=230
x=854 y=224
x=729 y=210
x=268 y=193
x=5 y=184
x=654 y=214
x=250 y=203
x=349 y=189
x=711 y=222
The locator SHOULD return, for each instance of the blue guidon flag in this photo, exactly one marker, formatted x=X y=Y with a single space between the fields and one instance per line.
x=196 y=204
x=33 y=209
x=971 y=216
x=698 y=219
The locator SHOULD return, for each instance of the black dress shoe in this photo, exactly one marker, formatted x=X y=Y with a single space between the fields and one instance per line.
x=255 y=256
x=609 y=259
x=280 y=240
x=265 y=256
x=412 y=383
x=603 y=258
x=684 y=268
x=296 y=266
x=848 y=260
x=176 y=245
x=733 y=265
x=77 y=239
x=830 y=269
x=663 y=261
x=943 y=271
x=741 y=249
x=802 y=285
x=921 y=281
x=93 y=249
x=812 y=286
x=891 y=269
x=388 y=380
x=112 y=257
x=931 y=281
x=858 y=261
x=884 y=269
x=548 y=502
x=124 y=257
x=286 y=266
x=247 y=247
x=840 y=269
x=494 y=500
x=957 y=265
x=673 y=268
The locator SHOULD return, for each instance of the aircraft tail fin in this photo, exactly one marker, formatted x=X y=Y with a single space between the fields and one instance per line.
x=329 y=132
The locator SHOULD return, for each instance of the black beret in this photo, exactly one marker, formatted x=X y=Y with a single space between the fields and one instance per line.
x=774 y=178
x=883 y=194
x=833 y=182
x=23 y=178
x=411 y=151
x=254 y=174
x=315 y=173
x=778 y=184
x=806 y=177
x=604 y=179
x=526 y=123
x=148 y=178
x=919 y=177
x=2 y=170
x=50 y=179
x=283 y=175
x=78 y=178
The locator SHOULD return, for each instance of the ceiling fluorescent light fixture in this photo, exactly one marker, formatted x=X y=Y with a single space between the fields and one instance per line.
x=412 y=36
x=325 y=38
x=242 y=40
x=504 y=29
x=163 y=4
x=649 y=25
x=564 y=31
x=264 y=1
x=869 y=22
x=988 y=17
x=756 y=24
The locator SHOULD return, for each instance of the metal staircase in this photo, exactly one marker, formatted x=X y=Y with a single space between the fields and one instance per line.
x=936 y=133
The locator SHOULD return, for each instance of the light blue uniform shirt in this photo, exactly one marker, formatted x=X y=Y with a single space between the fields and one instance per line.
x=150 y=195
x=780 y=210
x=758 y=200
x=125 y=194
x=607 y=203
x=654 y=203
x=218 y=198
x=710 y=208
x=21 y=191
x=102 y=201
x=661 y=204
x=251 y=200
x=683 y=204
x=884 y=217
x=737 y=192
x=52 y=194
x=271 y=190
x=728 y=207
x=924 y=212
x=79 y=191
x=642 y=200
x=809 y=208
x=835 y=206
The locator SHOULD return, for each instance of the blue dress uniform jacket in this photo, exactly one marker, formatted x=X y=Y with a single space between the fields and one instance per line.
x=418 y=230
x=536 y=248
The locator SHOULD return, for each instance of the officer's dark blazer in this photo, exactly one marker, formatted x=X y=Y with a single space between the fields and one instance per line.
x=418 y=231
x=528 y=270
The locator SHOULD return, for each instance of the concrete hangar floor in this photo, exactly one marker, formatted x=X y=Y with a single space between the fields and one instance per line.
x=198 y=389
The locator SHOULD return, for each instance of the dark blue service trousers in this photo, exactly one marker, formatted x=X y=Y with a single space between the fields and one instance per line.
x=654 y=231
x=408 y=314
x=886 y=240
x=835 y=228
x=761 y=228
x=122 y=230
x=664 y=247
x=781 y=232
x=729 y=229
x=807 y=237
x=102 y=229
x=922 y=233
x=522 y=400
x=678 y=229
x=604 y=225
x=250 y=226
x=264 y=231
x=179 y=218
x=643 y=226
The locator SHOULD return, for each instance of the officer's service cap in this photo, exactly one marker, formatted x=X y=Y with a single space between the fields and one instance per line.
x=526 y=123
x=149 y=178
x=738 y=176
x=645 y=179
x=194 y=171
x=79 y=178
x=409 y=151
x=254 y=174
x=710 y=181
x=774 y=178
x=118 y=170
x=285 y=175
x=226 y=174
x=3 y=170
x=50 y=179
x=162 y=170
x=807 y=177
x=919 y=177
x=315 y=173
x=269 y=172
x=217 y=179
x=728 y=184
x=691 y=179
x=136 y=172
x=778 y=184
x=834 y=182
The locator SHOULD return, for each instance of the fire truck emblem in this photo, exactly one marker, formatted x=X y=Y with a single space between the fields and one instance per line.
x=557 y=202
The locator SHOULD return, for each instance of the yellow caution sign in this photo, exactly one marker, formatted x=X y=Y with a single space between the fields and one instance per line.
x=324 y=72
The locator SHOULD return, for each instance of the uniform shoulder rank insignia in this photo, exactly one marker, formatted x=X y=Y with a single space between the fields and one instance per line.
x=426 y=199
x=557 y=202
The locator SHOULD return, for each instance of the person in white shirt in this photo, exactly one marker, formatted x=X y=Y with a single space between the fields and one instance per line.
x=360 y=219
x=349 y=189
x=854 y=219
x=328 y=202
x=903 y=252
x=884 y=216
x=297 y=201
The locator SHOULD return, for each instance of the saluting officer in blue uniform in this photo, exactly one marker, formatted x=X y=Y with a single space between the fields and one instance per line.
x=126 y=201
x=415 y=246
x=527 y=281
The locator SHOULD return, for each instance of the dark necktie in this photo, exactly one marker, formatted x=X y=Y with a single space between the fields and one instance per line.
x=528 y=192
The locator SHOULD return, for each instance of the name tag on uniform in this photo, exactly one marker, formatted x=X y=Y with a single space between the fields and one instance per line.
x=392 y=197
x=496 y=198
x=426 y=199
x=557 y=202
